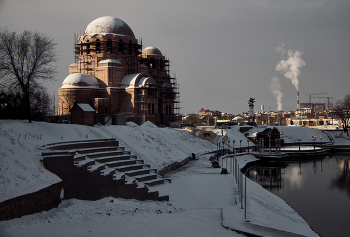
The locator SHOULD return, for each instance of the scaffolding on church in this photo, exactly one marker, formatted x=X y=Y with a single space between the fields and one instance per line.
x=165 y=93
x=85 y=54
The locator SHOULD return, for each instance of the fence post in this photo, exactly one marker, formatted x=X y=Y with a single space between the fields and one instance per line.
x=241 y=190
x=238 y=183
x=245 y=198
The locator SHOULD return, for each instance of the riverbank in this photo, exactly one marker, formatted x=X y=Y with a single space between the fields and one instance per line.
x=202 y=201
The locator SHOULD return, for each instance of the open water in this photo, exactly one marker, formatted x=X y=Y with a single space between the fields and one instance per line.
x=319 y=190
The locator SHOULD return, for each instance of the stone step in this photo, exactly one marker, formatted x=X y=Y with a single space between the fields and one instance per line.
x=79 y=158
x=106 y=153
x=154 y=182
x=96 y=166
x=131 y=167
x=137 y=172
x=104 y=157
x=120 y=163
x=84 y=163
x=85 y=144
x=112 y=158
x=99 y=149
x=146 y=177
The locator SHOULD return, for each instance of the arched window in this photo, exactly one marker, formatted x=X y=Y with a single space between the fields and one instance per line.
x=152 y=63
x=109 y=46
x=98 y=46
x=88 y=47
x=130 y=48
x=121 y=46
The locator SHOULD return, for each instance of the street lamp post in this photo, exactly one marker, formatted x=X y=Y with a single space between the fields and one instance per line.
x=299 y=143
x=233 y=148
x=223 y=148
x=314 y=138
x=228 y=146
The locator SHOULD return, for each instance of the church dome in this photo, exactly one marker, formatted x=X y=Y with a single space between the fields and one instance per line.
x=79 y=80
x=108 y=24
x=151 y=50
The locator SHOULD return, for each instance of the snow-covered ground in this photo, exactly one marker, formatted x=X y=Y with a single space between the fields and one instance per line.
x=292 y=134
x=202 y=200
x=202 y=203
x=21 y=169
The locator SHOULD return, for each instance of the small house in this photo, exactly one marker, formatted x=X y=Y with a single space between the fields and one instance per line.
x=82 y=114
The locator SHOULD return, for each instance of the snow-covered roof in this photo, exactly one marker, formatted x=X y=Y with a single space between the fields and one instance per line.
x=237 y=118
x=85 y=107
x=137 y=80
x=79 y=80
x=151 y=50
x=110 y=61
x=108 y=24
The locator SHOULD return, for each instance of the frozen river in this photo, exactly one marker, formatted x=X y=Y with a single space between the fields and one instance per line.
x=318 y=190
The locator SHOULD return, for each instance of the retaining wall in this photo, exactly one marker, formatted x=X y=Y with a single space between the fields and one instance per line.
x=42 y=200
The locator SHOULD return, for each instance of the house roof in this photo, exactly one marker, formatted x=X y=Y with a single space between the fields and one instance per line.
x=85 y=107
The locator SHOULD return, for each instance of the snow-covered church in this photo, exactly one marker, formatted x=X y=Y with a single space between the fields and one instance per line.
x=114 y=75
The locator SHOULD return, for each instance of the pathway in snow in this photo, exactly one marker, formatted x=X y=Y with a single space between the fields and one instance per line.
x=202 y=201
x=198 y=186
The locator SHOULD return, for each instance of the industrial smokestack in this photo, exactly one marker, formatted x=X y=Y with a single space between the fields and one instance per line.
x=298 y=105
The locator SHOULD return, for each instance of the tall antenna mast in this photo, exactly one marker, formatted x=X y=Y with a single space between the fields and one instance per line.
x=54 y=104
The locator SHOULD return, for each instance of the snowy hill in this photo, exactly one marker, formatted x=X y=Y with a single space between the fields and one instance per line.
x=20 y=153
x=203 y=201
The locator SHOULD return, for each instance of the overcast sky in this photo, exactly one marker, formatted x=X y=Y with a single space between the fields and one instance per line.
x=223 y=52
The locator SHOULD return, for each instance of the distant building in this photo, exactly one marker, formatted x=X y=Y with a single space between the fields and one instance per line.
x=315 y=107
x=114 y=76
x=204 y=112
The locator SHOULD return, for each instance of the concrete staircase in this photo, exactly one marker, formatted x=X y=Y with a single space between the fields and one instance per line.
x=101 y=168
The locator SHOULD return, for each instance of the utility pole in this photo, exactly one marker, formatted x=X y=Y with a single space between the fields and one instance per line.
x=54 y=104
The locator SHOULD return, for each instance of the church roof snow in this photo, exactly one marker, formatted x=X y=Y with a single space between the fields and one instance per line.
x=80 y=80
x=108 y=25
x=137 y=80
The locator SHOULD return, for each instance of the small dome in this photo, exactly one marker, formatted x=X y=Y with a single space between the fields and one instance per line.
x=108 y=24
x=137 y=80
x=79 y=80
x=151 y=50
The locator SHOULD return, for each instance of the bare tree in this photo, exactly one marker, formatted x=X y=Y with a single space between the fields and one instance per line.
x=342 y=109
x=40 y=101
x=24 y=60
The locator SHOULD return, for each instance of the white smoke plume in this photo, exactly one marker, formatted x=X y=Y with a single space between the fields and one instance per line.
x=291 y=66
x=275 y=88
x=280 y=49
